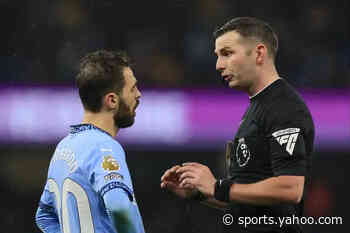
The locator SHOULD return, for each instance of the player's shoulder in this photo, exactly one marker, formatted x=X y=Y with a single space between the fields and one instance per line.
x=111 y=145
x=101 y=154
x=90 y=144
x=106 y=146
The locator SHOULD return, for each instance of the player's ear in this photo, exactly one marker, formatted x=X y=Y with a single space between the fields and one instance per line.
x=111 y=101
x=261 y=53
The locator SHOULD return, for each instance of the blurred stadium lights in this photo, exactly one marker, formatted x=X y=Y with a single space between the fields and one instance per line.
x=173 y=118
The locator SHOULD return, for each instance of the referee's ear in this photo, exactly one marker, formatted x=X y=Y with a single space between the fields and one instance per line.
x=111 y=101
x=261 y=54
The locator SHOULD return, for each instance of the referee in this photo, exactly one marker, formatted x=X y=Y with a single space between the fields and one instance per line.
x=270 y=154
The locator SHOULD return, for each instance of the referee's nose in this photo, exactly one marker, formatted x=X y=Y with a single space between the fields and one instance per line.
x=219 y=65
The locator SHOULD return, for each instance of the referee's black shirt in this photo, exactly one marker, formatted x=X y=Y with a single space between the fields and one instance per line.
x=275 y=138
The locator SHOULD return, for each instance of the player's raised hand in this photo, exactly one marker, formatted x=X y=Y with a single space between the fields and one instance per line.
x=170 y=181
x=198 y=176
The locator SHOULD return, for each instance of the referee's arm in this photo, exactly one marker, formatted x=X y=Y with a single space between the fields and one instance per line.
x=274 y=190
x=281 y=189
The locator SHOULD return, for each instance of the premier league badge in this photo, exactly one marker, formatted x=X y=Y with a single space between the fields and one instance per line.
x=242 y=153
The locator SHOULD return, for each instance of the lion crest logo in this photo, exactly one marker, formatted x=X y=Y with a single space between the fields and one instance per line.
x=242 y=153
x=110 y=164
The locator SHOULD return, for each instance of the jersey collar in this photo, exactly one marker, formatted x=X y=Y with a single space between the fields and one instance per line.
x=74 y=129
x=265 y=89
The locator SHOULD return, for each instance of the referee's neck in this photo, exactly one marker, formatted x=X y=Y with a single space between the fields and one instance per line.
x=265 y=86
x=267 y=75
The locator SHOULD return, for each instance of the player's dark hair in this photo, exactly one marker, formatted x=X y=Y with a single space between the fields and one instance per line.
x=249 y=27
x=100 y=72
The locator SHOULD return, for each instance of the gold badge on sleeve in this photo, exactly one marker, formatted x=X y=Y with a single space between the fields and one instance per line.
x=110 y=164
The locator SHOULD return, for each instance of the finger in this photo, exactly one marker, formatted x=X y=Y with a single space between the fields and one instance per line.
x=163 y=185
x=189 y=186
x=192 y=164
x=170 y=172
x=185 y=175
x=166 y=185
x=186 y=169
x=174 y=170
x=186 y=182
x=165 y=175
x=169 y=185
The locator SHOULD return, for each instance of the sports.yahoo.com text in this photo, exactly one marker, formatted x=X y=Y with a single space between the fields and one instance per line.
x=281 y=221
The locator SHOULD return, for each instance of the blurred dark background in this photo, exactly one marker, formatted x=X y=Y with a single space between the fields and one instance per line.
x=172 y=46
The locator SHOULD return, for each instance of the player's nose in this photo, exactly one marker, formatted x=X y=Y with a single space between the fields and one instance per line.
x=138 y=93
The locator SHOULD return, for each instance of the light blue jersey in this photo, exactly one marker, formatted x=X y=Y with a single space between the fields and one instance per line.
x=88 y=188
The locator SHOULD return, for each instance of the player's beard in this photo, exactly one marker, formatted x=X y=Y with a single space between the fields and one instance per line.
x=124 y=117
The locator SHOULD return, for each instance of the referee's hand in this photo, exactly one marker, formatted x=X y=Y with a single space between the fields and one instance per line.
x=170 y=181
x=197 y=176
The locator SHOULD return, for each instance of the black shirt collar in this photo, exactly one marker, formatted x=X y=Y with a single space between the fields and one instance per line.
x=266 y=90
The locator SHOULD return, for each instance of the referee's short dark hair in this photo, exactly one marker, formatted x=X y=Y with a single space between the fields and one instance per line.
x=100 y=72
x=249 y=27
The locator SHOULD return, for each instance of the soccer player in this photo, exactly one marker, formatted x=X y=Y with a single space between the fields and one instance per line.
x=88 y=188
x=270 y=157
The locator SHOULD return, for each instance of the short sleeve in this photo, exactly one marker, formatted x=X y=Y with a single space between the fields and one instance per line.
x=47 y=200
x=287 y=142
x=108 y=169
